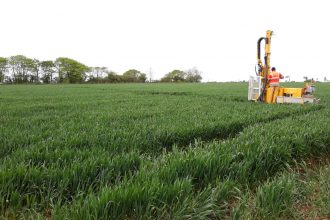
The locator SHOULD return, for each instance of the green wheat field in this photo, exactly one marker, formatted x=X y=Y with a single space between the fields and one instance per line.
x=161 y=151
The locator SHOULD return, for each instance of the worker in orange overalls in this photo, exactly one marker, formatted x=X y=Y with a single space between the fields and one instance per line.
x=274 y=82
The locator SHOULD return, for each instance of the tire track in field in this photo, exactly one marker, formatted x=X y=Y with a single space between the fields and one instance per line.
x=224 y=133
x=216 y=97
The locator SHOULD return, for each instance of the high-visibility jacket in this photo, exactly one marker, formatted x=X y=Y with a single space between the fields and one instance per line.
x=274 y=78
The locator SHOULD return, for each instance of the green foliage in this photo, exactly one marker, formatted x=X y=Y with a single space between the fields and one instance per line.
x=22 y=68
x=192 y=75
x=70 y=71
x=48 y=70
x=3 y=68
x=133 y=75
x=114 y=77
x=35 y=71
x=174 y=76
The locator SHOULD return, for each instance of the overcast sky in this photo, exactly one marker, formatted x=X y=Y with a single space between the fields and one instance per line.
x=217 y=37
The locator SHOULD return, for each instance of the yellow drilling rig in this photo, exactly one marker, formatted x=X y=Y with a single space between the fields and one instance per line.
x=260 y=88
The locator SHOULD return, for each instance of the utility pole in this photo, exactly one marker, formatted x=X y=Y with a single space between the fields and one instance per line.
x=150 y=75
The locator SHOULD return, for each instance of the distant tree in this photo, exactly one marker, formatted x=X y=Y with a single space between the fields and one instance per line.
x=70 y=71
x=97 y=74
x=133 y=75
x=47 y=70
x=3 y=68
x=114 y=77
x=193 y=75
x=21 y=68
x=35 y=71
x=174 y=76
x=142 y=78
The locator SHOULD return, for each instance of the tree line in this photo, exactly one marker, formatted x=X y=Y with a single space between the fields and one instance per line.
x=21 y=69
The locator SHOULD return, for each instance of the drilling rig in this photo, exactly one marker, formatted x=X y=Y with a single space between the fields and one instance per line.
x=259 y=86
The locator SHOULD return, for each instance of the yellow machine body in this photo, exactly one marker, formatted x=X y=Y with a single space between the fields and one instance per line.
x=272 y=93
x=291 y=92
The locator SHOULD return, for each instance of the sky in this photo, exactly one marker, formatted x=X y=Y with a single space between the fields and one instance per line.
x=219 y=38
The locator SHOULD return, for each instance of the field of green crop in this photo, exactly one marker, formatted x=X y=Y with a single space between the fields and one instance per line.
x=152 y=151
